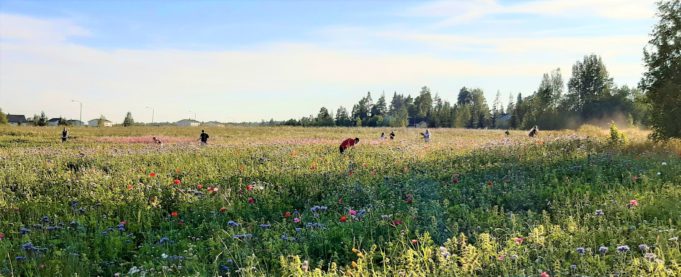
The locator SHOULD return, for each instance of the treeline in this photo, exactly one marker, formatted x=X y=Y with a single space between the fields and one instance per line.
x=591 y=96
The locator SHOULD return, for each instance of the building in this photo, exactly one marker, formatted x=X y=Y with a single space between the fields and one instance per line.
x=16 y=119
x=95 y=123
x=74 y=122
x=53 y=121
x=213 y=124
x=188 y=123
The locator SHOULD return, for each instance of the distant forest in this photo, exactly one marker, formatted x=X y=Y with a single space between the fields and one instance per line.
x=591 y=97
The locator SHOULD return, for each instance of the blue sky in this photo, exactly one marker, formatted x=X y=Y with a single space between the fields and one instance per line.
x=252 y=60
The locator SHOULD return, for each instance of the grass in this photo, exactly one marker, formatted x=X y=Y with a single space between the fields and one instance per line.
x=282 y=201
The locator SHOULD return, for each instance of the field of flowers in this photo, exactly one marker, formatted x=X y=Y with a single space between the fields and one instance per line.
x=282 y=201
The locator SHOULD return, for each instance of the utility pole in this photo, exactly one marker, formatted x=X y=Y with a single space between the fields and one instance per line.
x=152 y=113
x=81 y=112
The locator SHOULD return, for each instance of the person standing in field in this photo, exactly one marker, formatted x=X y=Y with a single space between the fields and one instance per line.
x=204 y=137
x=64 y=135
x=534 y=131
x=347 y=144
x=392 y=135
x=426 y=136
x=382 y=135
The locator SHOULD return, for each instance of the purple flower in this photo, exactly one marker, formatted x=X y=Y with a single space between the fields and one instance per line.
x=602 y=250
x=623 y=248
x=121 y=227
x=643 y=247
x=650 y=256
x=581 y=250
x=232 y=223
x=28 y=247
x=46 y=219
x=224 y=268
x=24 y=231
x=164 y=240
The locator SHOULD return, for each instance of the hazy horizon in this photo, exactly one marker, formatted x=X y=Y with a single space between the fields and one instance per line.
x=247 y=61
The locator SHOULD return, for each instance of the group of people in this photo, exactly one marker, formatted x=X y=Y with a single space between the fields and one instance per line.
x=350 y=142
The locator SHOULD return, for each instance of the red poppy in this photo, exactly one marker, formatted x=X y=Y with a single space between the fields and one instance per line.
x=287 y=214
x=251 y=200
x=177 y=181
x=343 y=218
x=249 y=187
x=414 y=241
x=2 y=236
x=544 y=274
x=152 y=174
x=130 y=187
x=199 y=186
x=397 y=222
x=455 y=180
x=174 y=214
x=223 y=210
x=350 y=173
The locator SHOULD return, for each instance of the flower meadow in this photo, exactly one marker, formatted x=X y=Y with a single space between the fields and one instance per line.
x=279 y=201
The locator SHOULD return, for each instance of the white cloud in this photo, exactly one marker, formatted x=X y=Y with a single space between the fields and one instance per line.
x=463 y=11
x=41 y=69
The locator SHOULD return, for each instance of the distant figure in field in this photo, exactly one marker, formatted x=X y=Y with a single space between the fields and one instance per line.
x=203 y=138
x=392 y=135
x=157 y=141
x=534 y=131
x=507 y=133
x=347 y=144
x=426 y=136
x=64 y=135
x=382 y=135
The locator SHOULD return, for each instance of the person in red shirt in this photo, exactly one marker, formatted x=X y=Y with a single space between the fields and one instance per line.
x=347 y=144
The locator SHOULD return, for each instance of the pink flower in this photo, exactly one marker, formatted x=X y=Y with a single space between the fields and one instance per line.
x=2 y=236
x=544 y=274
x=519 y=240
x=633 y=203
x=177 y=181
x=353 y=212
x=501 y=257
x=296 y=220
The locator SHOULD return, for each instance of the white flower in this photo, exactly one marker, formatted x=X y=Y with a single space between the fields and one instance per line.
x=133 y=270
x=658 y=174
x=664 y=163
x=164 y=255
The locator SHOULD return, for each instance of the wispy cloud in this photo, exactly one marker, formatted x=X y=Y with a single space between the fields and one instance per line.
x=462 y=11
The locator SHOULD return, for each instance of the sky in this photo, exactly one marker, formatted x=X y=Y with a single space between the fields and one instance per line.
x=235 y=61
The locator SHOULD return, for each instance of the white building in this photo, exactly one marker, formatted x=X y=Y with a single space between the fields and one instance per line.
x=188 y=123
x=95 y=123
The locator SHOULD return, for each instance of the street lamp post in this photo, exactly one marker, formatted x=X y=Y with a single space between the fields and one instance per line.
x=80 y=118
x=152 y=113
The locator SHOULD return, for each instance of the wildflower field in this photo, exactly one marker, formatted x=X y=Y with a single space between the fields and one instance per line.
x=278 y=201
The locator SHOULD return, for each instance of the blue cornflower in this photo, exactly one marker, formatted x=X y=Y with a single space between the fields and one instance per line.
x=299 y=229
x=121 y=227
x=74 y=204
x=623 y=248
x=643 y=247
x=46 y=219
x=232 y=223
x=603 y=250
x=164 y=240
x=581 y=250
x=20 y=258
x=599 y=213
x=265 y=226
x=28 y=246
x=24 y=231
x=224 y=268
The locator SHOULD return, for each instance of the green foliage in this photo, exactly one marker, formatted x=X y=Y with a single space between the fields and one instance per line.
x=662 y=81
x=128 y=121
x=616 y=137
x=3 y=118
x=467 y=204
x=40 y=120
x=101 y=121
